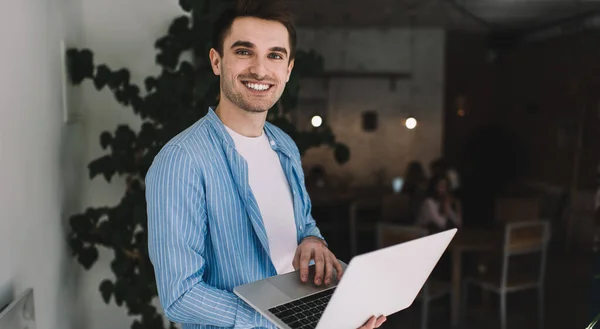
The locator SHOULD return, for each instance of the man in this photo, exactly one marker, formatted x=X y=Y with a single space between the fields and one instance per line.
x=227 y=204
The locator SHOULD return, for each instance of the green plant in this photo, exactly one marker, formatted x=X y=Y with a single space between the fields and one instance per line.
x=172 y=101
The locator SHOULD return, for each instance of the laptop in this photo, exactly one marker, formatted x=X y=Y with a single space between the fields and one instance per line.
x=381 y=282
x=20 y=313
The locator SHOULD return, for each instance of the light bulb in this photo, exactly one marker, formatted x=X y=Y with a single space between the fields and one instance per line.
x=411 y=123
x=316 y=121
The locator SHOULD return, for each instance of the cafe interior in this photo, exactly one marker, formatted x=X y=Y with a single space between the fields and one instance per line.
x=494 y=131
x=427 y=115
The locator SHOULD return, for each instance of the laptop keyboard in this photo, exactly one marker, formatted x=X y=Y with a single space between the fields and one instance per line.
x=303 y=313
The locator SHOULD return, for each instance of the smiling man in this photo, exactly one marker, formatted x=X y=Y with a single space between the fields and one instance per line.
x=227 y=204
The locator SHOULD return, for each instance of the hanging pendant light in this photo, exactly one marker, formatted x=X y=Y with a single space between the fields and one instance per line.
x=316 y=121
x=411 y=122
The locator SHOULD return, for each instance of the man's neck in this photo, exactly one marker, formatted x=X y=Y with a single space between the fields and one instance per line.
x=242 y=122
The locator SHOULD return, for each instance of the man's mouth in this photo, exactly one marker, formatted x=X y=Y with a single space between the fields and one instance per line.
x=257 y=86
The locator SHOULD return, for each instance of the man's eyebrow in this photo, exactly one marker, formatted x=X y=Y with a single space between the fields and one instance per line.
x=248 y=44
x=240 y=43
x=279 y=49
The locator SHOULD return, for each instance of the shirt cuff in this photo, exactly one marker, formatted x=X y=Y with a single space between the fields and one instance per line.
x=245 y=315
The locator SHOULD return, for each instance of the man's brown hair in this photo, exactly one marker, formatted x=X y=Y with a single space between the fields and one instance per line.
x=271 y=10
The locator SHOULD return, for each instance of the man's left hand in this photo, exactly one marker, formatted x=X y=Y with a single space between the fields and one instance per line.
x=313 y=248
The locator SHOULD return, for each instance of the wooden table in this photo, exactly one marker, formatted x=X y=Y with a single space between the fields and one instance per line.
x=468 y=240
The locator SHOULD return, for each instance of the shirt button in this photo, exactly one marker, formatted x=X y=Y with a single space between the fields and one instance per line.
x=272 y=143
x=301 y=227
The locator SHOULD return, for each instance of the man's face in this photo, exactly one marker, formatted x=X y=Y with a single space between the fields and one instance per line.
x=255 y=65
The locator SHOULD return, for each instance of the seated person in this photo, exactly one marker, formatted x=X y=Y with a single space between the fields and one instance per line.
x=415 y=179
x=440 y=210
x=415 y=186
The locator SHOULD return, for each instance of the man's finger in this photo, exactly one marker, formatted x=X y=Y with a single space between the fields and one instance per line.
x=338 y=267
x=296 y=261
x=319 y=266
x=380 y=321
x=370 y=324
x=304 y=260
x=328 y=269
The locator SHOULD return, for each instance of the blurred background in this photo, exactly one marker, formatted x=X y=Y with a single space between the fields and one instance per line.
x=490 y=105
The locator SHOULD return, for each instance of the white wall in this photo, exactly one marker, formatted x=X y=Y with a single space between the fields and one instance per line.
x=121 y=34
x=392 y=146
x=39 y=157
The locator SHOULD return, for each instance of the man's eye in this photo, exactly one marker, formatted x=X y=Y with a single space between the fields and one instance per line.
x=276 y=56
x=243 y=52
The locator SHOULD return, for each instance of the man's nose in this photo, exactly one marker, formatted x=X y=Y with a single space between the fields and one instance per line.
x=258 y=68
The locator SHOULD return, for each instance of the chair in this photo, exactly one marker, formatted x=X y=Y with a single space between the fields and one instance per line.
x=389 y=234
x=520 y=238
x=516 y=209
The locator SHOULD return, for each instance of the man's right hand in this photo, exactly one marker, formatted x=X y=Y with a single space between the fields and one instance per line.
x=374 y=322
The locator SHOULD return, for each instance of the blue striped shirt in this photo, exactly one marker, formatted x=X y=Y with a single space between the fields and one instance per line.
x=205 y=231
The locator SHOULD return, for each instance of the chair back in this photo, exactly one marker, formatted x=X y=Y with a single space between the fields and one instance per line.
x=508 y=210
x=527 y=237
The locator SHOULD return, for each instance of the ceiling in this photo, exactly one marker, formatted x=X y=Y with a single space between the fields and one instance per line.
x=450 y=14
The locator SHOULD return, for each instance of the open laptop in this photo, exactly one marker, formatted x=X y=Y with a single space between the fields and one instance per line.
x=20 y=313
x=377 y=283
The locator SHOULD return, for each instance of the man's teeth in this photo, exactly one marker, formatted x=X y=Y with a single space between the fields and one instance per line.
x=257 y=86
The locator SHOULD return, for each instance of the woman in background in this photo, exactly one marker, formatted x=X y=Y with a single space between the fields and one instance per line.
x=440 y=210
x=415 y=186
x=415 y=179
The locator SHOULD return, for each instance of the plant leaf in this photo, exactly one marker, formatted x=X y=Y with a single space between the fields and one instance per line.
x=120 y=291
x=75 y=244
x=88 y=256
x=102 y=165
x=185 y=5
x=80 y=65
x=102 y=77
x=105 y=139
x=150 y=83
x=137 y=325
x=106 y=289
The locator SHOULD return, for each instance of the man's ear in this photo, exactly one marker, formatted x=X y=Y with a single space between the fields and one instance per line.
x=215 y=61
x=289 y=71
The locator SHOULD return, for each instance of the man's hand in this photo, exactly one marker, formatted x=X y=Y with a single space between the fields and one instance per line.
x=374 y=322
x=313 y=248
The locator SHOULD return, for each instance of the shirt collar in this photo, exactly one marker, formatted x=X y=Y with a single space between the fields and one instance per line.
x=277 y=142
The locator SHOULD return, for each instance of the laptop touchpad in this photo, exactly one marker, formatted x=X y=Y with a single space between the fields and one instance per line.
x=291 y=285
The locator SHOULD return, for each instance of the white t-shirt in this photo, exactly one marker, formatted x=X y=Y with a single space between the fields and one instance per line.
x=272 y=192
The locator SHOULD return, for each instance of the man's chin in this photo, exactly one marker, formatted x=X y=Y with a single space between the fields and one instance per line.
x=255 y=109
